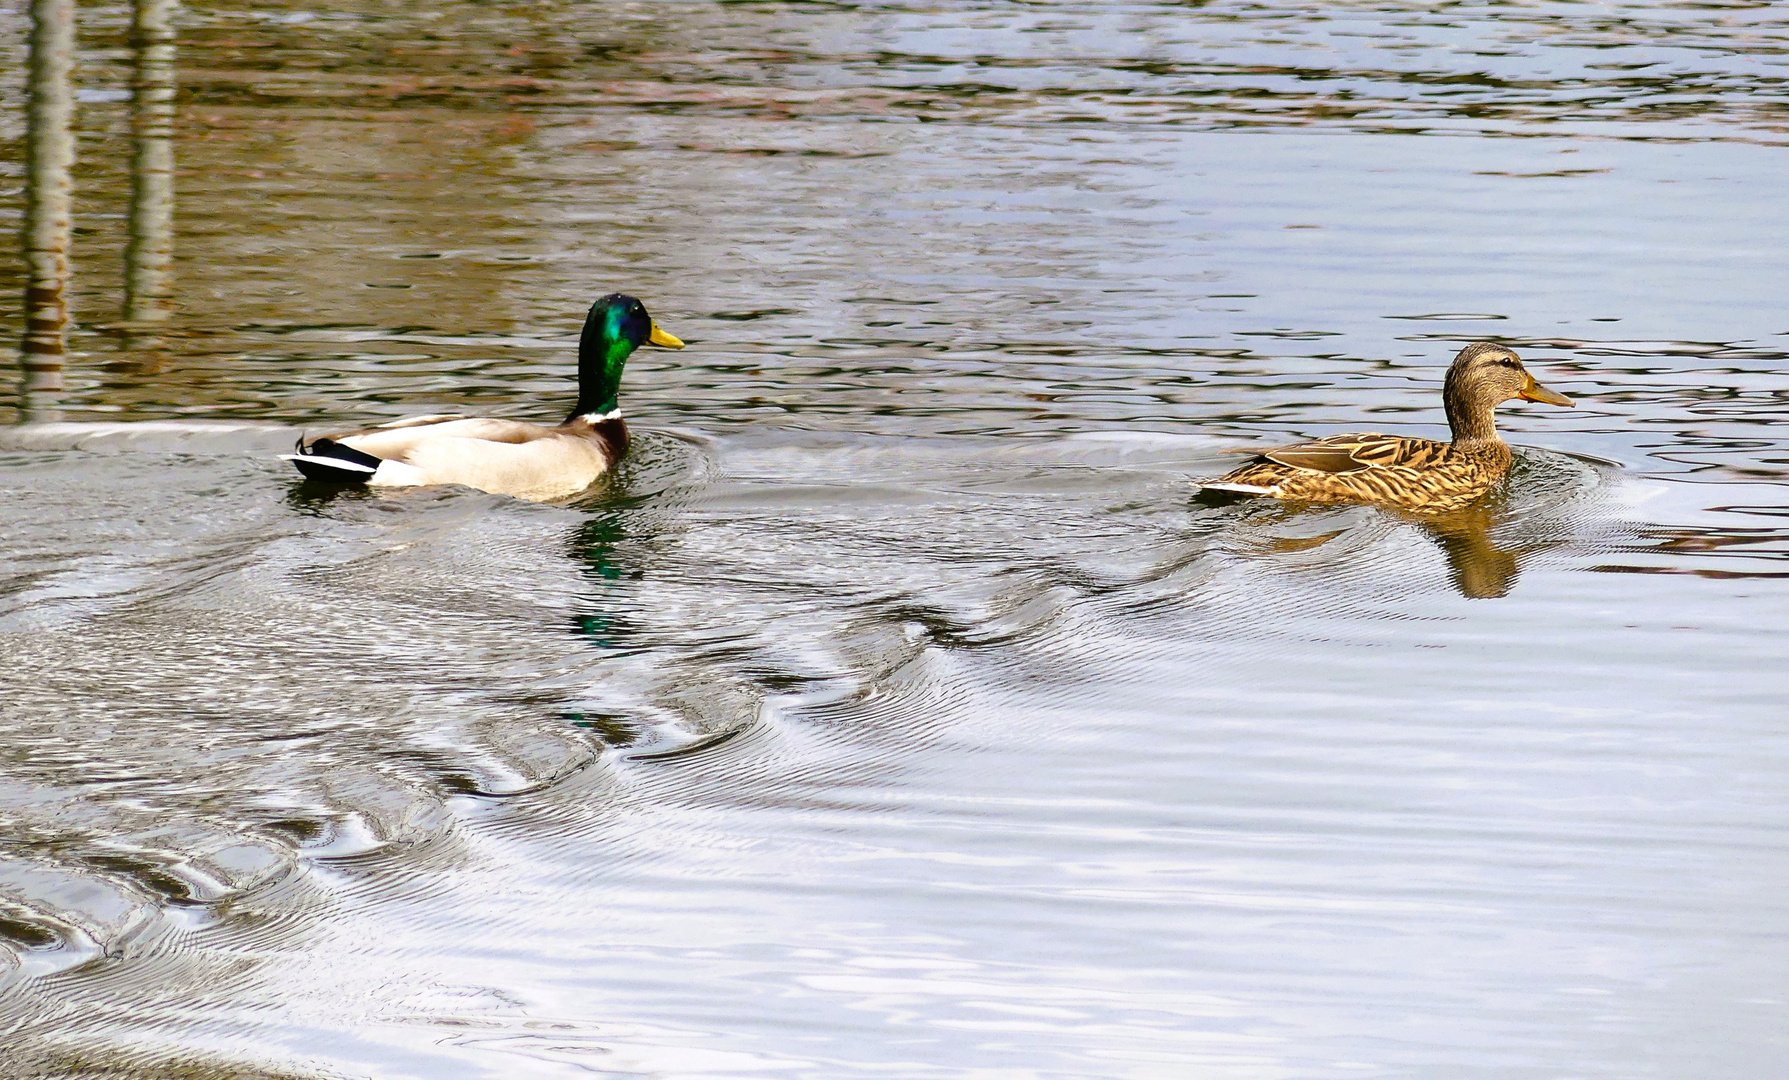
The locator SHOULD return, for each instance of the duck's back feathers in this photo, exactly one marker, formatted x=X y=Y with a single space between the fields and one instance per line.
x=1352 y=453
x=1372 y=468
x=505 y=457
x=400 y=439
x=416 y=421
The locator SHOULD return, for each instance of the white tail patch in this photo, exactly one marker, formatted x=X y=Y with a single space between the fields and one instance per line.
x=399 y=474
x=1241 y=489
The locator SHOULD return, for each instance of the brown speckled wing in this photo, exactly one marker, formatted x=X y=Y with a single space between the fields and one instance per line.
x=1352 y=453
x=1408 y=453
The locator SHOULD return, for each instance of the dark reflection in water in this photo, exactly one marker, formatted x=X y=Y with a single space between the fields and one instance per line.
x=149 y=253
x=49 y=157
x=316 y=497
x=49 y=197
x=1479 y=568
x=1753 y=552
x=594 y=550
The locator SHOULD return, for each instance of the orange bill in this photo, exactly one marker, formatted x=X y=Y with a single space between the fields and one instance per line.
x=1533 y=391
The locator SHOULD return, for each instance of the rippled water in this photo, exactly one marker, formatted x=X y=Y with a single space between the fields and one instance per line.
x=896 y=711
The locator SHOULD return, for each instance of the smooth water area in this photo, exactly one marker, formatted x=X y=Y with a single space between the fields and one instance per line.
x=896 y=710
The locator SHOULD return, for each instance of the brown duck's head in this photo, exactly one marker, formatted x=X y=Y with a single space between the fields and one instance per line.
x=1483 y=377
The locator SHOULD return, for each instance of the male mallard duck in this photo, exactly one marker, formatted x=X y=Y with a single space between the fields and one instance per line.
x=504 y=457
x=1418 y=474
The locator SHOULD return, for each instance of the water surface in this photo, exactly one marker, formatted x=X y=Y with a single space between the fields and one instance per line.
x=895 y=710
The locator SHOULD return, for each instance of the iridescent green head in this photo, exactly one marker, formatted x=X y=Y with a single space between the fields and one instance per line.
x=615 y=327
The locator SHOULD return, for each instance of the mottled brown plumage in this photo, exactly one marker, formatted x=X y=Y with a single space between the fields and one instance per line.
x=1417 y=474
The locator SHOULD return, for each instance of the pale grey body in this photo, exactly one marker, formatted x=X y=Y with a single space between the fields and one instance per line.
x=504 y=457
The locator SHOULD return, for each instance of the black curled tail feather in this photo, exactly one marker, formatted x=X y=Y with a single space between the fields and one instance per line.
x=326 y=447
x=327 y=459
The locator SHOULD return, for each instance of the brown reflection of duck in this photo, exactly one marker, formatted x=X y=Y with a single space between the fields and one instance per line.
x=1479 y=568
x=1415 y=474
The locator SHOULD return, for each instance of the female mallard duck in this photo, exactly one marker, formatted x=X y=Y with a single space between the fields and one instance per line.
x=504 y=457
x=1417 y=474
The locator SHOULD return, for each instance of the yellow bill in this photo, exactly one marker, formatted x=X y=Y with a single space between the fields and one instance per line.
x=1533 y=391
x=669 y=341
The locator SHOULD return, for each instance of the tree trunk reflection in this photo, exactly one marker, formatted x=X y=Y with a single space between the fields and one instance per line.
x=49 y=156
x=148 y=257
